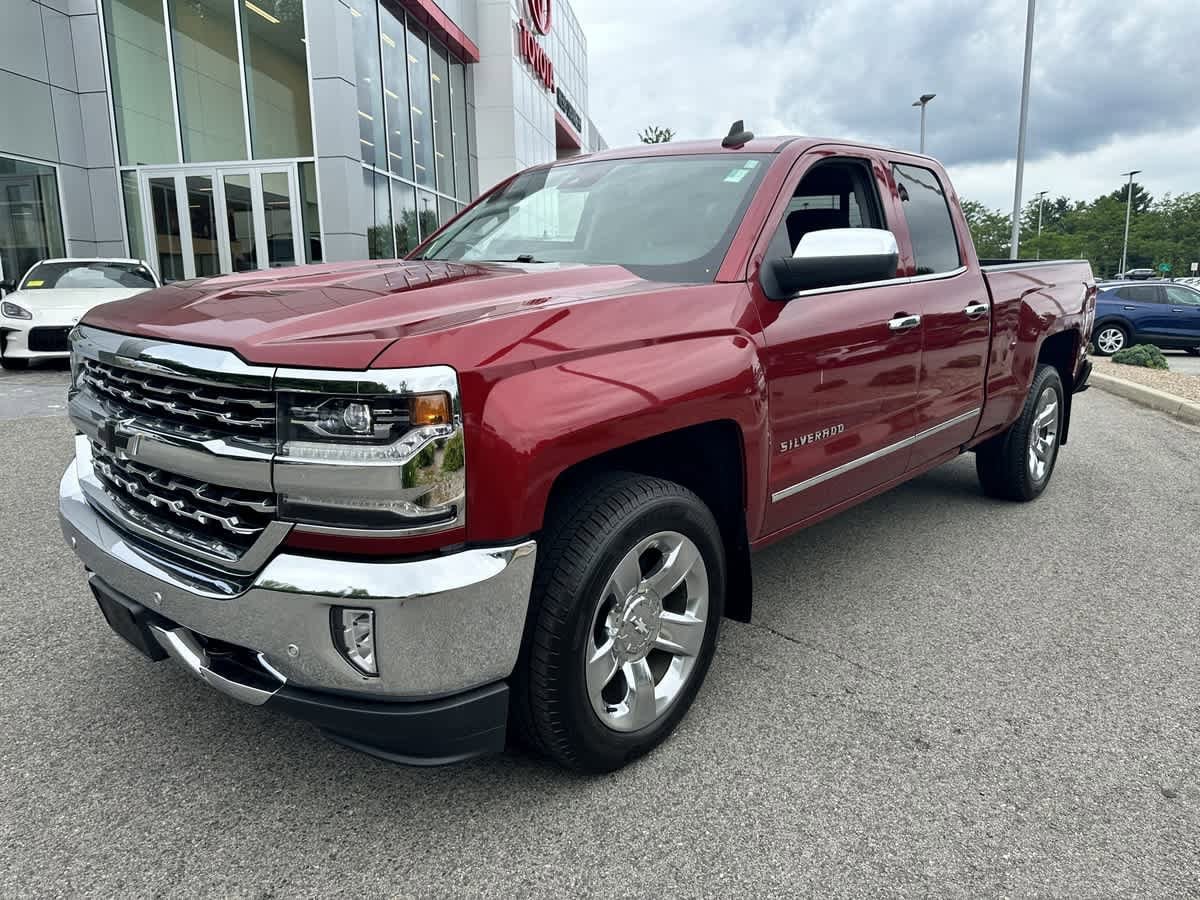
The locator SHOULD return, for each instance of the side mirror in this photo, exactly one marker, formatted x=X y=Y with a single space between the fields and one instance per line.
x=832 y=258
x=8 y=285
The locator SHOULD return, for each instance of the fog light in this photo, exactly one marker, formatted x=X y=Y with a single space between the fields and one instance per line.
x=354 y=635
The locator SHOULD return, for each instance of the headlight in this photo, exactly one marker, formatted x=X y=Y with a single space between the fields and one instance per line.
x=13 y=311
x=384 y=462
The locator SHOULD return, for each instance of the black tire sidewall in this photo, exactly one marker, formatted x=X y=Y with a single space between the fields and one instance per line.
x=598 y=747
x=1047 y=376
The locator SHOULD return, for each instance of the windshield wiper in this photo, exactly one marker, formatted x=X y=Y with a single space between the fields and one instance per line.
x=520 y=258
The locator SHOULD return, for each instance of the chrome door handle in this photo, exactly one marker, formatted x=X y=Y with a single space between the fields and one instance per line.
x=1129 y=307
x=975 y=310
x=903 y=323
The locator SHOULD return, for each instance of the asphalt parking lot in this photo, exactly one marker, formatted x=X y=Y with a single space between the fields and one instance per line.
x=939 y=695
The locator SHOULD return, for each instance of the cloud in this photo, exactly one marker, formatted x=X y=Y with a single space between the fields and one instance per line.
x=1107 y=74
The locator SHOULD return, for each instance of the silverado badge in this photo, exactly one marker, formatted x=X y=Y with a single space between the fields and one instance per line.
x=811 y=438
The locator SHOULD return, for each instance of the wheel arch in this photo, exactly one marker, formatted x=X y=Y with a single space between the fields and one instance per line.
x=1113 y=319
x=1061 y=350
x=691 y=457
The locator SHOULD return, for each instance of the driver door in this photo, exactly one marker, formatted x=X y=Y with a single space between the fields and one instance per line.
x=842 y=378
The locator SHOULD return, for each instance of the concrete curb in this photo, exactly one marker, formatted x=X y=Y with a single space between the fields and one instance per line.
x=1148 y=396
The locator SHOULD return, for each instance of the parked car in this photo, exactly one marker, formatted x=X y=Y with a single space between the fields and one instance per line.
x=518 y=476
x=1164 y=314
x=1136 y=275
x=37 y=316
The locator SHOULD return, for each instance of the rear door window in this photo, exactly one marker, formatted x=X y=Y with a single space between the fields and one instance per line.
x=927 y=212
x=1139 y=293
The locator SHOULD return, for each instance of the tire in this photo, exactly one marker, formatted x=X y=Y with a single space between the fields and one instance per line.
x=1192 y=351
x=577 y=610
x=1017 y=464
x=1110 y=338
x=13 y=365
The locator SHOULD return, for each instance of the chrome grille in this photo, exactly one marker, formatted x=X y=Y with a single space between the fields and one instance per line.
x=241 y=412
x=220 y=520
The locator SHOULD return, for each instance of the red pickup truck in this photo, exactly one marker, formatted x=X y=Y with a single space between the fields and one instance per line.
x=511 y=484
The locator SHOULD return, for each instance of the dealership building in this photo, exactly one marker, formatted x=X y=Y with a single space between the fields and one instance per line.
x=210 y=136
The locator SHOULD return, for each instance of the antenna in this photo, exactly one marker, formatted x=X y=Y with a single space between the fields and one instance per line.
x=738 y=135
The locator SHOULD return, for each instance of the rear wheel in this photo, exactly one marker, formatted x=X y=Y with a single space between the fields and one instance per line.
x=1109 y=339
x=13 y=365
x=625 y=610
x=1017 y=464
x=1192 y=351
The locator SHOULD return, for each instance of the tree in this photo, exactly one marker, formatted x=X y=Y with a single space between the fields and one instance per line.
x=1165 y=230
x=989 y=228
x=655 y=135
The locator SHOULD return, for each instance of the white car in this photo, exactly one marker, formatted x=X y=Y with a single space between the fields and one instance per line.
x=36 y=318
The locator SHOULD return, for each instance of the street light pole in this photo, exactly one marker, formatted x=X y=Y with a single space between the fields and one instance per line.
x=1015 y=243
x=921 y=101
x=1041 y=195
x=1128 y=209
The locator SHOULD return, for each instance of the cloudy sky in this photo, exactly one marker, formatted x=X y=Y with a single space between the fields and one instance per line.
x=1116 y=83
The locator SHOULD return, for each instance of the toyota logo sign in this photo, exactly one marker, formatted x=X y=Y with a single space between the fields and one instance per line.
x=539 y=12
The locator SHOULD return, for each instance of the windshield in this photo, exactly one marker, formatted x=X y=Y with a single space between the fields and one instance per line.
x=666 y=218
x=94 y=274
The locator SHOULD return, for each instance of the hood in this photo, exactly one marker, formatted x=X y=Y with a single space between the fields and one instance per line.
x=344 y=315
x=70 y=298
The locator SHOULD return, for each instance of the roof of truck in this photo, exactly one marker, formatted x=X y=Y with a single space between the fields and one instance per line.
x=767 y=144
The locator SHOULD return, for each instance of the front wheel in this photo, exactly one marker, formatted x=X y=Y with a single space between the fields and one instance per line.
x=626 y=606
x=1192 y=351
x=13 y=364
x=1017 y=464
x=1109 y=339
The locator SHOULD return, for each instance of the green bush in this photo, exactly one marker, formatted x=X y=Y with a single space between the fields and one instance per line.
x=1146 y=355
x=453 y=457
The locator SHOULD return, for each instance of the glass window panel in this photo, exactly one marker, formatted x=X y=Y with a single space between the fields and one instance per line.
x=371 y=135
x=380 y=240
x=141 y=81
x=168 y=246
x=277 y=209
x=313 y=251
x=30 y=219
x=404 y=204
x=443 y=153
x=239 y=211
x=422 y=117
x=395 y=94
x=276 y=78
x=447 y=210
x=927 y=211
x=133 y=215
x=202 y=214
x=208 y=80
x=427 y=213
x=458 y=123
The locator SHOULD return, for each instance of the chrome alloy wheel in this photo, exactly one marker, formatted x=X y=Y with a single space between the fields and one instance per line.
x=1110 y=340
x=647 y=631
x=1043 y=435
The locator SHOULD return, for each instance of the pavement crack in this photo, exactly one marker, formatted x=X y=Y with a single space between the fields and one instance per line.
x=820 y=648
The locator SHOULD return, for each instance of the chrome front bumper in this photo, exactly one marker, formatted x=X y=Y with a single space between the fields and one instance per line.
x=443 y=625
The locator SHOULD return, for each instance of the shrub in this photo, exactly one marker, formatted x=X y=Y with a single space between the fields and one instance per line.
x=1146 y=355
x=453 y=457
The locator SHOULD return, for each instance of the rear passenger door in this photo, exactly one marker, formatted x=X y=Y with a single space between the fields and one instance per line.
x=1144 y=305
x=957 y=313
